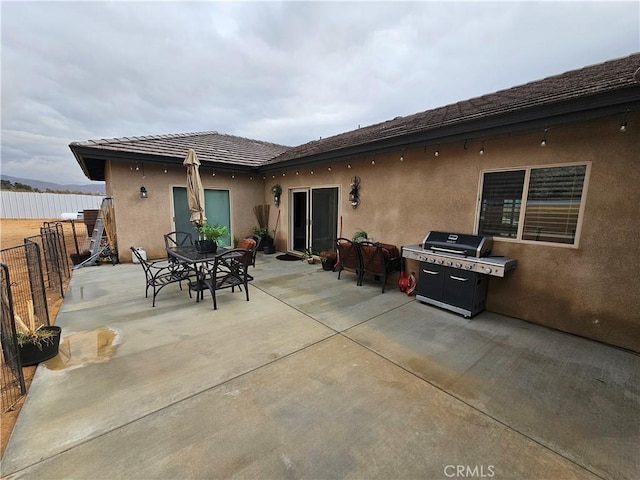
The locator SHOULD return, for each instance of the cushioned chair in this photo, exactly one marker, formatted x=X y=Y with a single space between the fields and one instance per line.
x=251 y=244
x=348 y=258
x=379 y=260
x=228 y=271
x=160 y=273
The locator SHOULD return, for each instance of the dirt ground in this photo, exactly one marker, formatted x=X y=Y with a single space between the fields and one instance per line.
x=12 y=233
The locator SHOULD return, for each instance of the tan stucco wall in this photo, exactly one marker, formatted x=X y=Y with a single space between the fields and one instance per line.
x=593 y=291
x=143 y=222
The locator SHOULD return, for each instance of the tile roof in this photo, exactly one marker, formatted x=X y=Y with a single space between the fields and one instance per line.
x=210 y=147
x=558 y=94
x=576 y=84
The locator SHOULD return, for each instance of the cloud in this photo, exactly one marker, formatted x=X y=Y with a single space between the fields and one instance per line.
x=284 y=72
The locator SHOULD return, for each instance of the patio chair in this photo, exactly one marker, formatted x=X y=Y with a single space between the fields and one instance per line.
x=250 y=243
x=178 y=239
x=348 y=258
x=229 y=271
x=379 y=260
x=160 y=273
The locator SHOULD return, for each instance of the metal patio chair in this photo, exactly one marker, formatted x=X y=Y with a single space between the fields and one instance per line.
x=378 y=259
x=348 y=258
x=229 y=271
x=160 y=273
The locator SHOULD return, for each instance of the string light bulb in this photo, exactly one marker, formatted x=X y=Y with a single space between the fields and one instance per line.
x=543 y=143
x=481 y=152
x=437 y=152
x=623 y=125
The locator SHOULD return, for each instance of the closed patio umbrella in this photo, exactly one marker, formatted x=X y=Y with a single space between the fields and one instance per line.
x=195 y=192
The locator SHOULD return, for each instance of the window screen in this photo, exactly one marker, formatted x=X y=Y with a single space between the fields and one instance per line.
x=552 y=209
x=500 y=205
x=553 y=204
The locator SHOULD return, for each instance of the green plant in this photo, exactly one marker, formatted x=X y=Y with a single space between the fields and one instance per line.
x=213 y=233
x=276 y=190
x=261 y=231
x=328 y=255
x=30 y=333
x=360 y=235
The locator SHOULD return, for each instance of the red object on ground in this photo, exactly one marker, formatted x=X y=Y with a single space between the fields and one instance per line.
x=411 y=284
x=403 y=282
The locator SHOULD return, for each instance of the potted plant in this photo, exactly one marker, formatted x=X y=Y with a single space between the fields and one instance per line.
x=36 y=343
x=328 y=259
x=308 y=255
x=360 y=235
x=210 y=237
x=276 y=190
x=268 y=244
x=261 y=232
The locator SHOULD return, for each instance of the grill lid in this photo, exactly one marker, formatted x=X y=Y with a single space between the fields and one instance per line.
x=458 y=243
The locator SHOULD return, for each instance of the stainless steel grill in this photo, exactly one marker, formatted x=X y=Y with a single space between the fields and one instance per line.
x=455 y=269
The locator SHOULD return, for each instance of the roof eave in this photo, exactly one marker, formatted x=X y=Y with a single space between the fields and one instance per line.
x=518 y=121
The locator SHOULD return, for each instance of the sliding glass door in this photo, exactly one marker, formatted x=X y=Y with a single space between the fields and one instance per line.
x=314 y=219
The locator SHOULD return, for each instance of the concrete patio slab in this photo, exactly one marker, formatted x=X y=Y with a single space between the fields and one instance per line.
x=335 y=410
x=316 y=377
x=568 y=393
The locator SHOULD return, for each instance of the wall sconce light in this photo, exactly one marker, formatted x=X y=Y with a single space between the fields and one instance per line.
x=276 y=190
x=354 y=194
x=143 y=192
x=623 y=125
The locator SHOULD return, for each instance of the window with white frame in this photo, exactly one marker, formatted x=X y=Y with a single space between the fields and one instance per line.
x=537 y=204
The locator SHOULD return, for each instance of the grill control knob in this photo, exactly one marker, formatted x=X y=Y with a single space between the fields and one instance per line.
x=458 y=265
x=432 y=260
x=449 y=263
x=486 y=269
x=440 y=262
x=468 y=267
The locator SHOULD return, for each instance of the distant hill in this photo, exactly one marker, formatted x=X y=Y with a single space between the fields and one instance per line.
x=93 y=188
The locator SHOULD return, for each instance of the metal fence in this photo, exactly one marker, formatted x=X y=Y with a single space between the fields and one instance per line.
x=13 y=386
x=44 y=205
x=31 y=273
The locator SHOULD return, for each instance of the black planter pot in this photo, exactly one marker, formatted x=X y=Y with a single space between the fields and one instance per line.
x=32 y=354
x=206 y=246
x=268 y=245
x=329 y=264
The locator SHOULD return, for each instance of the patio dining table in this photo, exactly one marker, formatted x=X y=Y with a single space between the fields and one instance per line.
x=191 y=255
x=197 y=260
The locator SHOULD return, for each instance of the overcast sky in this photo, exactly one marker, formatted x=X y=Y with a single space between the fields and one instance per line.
x=281 y=72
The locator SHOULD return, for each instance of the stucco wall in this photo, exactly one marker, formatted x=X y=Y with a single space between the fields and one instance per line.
x=593 y=291
x=143 y=222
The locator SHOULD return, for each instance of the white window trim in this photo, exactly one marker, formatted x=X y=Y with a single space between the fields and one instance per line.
x=525 y=194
